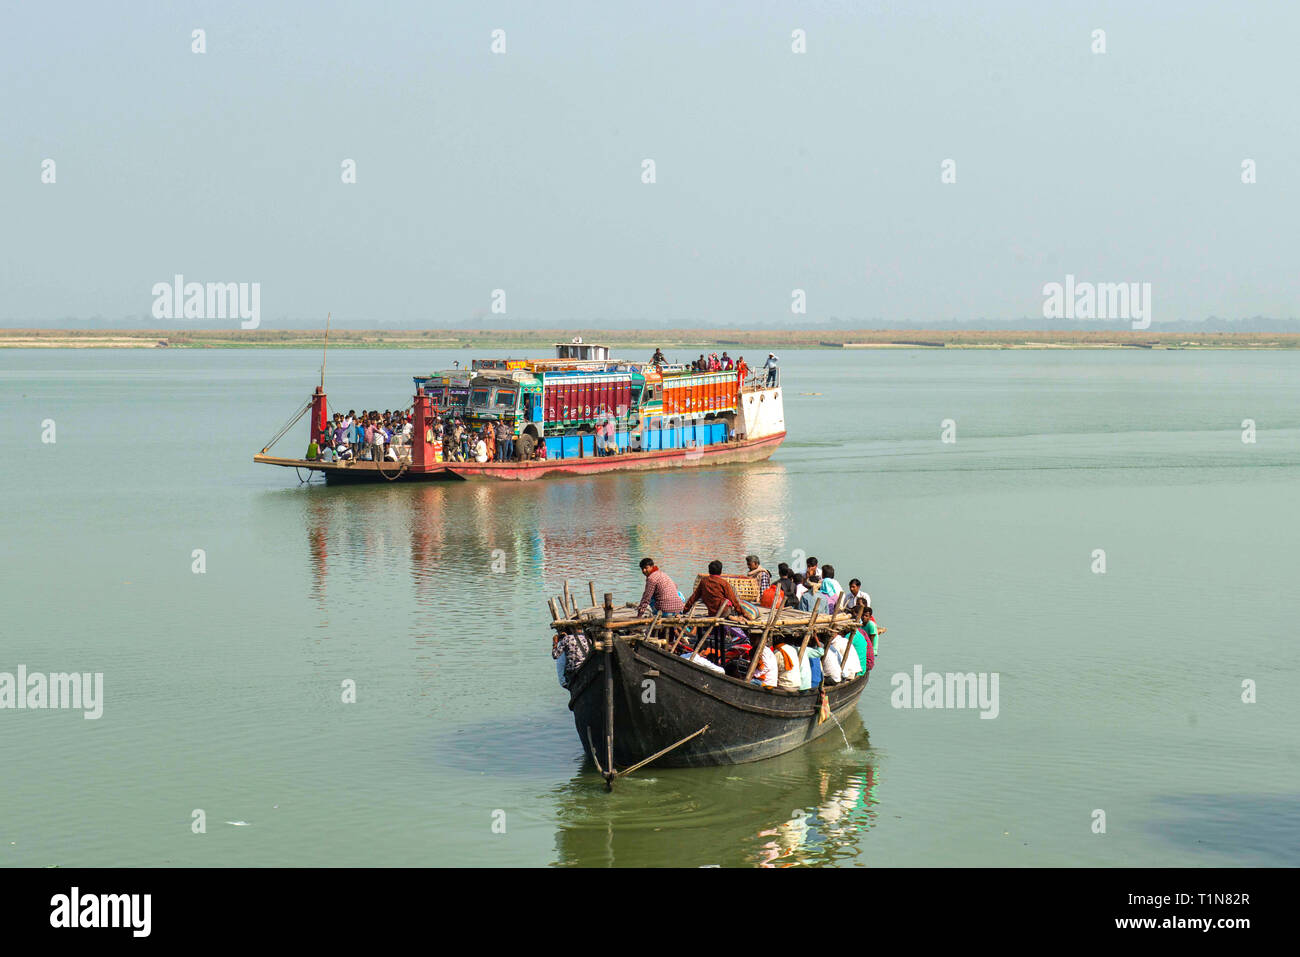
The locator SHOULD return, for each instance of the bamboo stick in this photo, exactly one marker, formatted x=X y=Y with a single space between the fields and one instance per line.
x=591 y=586
x=608 y=638
x=570 y=607
x=753 y=661
x=659 y=754
x=700 y=644
x=812 y=622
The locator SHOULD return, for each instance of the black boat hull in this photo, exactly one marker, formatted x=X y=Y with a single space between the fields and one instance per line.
x=659 y=699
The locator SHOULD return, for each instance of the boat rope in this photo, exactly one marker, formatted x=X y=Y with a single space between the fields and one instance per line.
x=392 y=478
x=289 y=425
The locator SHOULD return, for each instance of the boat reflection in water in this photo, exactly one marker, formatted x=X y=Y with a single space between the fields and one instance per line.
x=810 y=806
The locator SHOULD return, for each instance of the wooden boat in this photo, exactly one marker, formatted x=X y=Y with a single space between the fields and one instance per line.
x=635 y=701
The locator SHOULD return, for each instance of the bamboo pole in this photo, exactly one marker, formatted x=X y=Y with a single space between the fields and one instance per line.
x=324 y=352
x=659 y=754
x=608 y=638
x=700 y=644
x=591 y=586
x=753 y=661
x=570 y=608
x=555 y=611
x=812 y=623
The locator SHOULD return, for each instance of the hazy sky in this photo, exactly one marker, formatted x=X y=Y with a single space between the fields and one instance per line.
x=523 y=171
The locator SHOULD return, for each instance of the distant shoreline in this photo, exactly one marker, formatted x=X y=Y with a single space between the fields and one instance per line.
x=671 y=340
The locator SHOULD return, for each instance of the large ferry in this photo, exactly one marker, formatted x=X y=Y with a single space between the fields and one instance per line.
x=560 y=413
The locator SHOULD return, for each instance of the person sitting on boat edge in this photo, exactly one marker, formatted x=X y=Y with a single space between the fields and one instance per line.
x=767 y=671
x=713 y=590
x=864 y=641
x=758 y=573
x=840 y=661
x=793 y=672
x=661 y=594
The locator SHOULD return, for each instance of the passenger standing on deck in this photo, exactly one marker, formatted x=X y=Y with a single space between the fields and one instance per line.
x=502 y=442
x=742 y=369
x=727 y=363
x=368 y=439
x=713 y=590
x=758 y=573
x=661 y=594
x=770 y=366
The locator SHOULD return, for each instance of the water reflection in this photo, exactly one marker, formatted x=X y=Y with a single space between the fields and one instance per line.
x=527 y=539
x=808 y=807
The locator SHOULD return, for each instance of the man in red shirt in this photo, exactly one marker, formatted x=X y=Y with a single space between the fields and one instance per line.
x=713 y=590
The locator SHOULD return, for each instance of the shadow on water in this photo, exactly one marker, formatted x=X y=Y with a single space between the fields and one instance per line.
x=810 y=806
x=1261 y=830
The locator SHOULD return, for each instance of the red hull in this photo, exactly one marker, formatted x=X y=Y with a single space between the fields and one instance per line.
x=732 y=452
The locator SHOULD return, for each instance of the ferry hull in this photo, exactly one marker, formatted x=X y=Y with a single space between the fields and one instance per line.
x=752 y=450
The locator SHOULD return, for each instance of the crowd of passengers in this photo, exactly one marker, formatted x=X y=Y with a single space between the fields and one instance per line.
x=724 y=363
x=729 y=649
x=369 y=436
x=386 y=436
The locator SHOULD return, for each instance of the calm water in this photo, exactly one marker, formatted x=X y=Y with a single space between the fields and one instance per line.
x=1118 y=691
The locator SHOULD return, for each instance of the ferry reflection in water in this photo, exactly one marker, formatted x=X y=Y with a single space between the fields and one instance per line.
x=525 y=540
x=809 y=806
